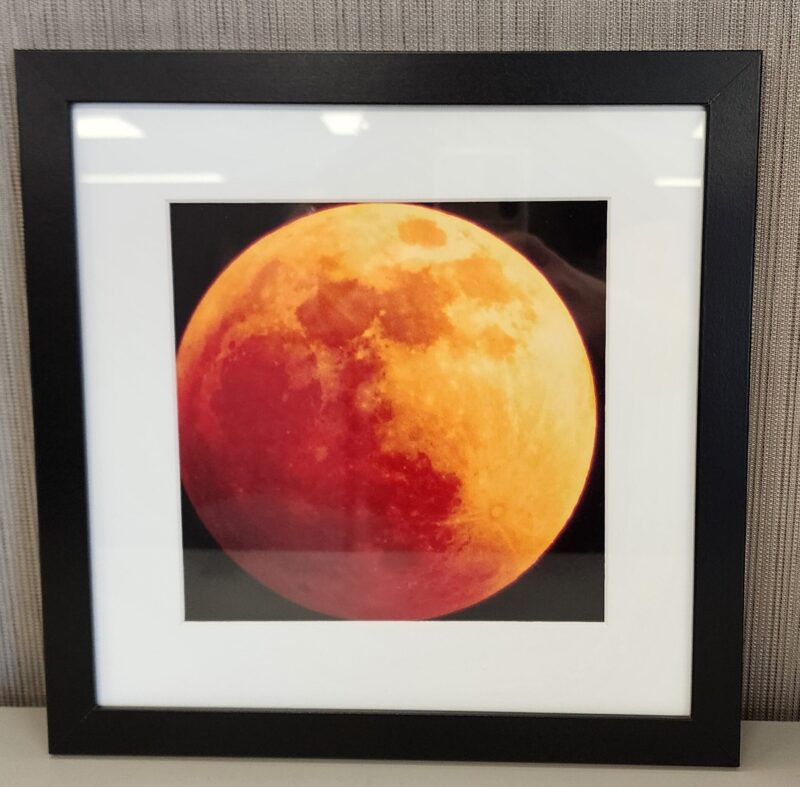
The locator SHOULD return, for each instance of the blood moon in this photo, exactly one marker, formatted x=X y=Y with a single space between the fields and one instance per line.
x=385 y=412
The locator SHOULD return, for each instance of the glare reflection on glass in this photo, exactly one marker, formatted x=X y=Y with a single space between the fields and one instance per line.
x=679 y=183
x=153 y=177
x=106 y=127
x=345 y=123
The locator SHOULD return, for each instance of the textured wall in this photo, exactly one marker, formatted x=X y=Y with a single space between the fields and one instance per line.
x=772 y=613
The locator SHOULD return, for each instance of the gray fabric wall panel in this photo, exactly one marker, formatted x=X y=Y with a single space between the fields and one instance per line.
x=772 y=611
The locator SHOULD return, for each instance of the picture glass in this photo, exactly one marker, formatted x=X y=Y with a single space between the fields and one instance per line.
x=391 y=408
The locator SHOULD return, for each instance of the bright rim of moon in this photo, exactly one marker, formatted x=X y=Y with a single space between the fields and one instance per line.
x=385 y=412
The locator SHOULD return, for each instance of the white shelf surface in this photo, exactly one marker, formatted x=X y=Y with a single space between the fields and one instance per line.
x=770 y=756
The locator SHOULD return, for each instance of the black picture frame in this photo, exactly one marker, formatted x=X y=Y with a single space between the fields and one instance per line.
x=725 y=83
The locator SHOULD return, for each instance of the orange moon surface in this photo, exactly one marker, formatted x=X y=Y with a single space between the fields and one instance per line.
x=385 y=412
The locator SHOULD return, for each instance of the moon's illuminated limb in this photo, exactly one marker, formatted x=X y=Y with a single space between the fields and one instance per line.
x=385 y=412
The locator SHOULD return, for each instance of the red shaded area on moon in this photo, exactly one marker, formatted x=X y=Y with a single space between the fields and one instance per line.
x=321 y=459
x=283 y=439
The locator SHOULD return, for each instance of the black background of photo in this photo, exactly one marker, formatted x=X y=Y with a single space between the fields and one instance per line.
x=567 y=582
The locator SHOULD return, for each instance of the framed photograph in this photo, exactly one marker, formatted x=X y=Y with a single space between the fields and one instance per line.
x=391 y=405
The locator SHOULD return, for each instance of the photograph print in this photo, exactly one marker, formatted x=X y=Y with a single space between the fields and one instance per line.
x=391 y=411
